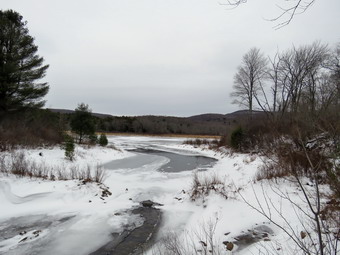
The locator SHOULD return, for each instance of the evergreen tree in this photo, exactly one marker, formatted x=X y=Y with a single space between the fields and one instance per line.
x=69 y=148
x=103 y=140
x=237 y=138
x=82 y=122
x=20 y=66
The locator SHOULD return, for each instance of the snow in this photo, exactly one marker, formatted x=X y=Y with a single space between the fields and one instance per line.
x=88 y=215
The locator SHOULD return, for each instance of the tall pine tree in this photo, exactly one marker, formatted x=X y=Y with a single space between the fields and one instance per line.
x=82 y=122
x=20 y=66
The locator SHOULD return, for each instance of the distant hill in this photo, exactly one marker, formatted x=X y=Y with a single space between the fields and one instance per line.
x=224 y=117
x=208 y=117
x=65 y=111
x=218 y=117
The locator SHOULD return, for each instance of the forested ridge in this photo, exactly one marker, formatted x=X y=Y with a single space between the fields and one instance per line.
x=204 y=124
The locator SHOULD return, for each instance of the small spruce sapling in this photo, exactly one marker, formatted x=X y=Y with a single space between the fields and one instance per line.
x=69 y=148
x=103 y=140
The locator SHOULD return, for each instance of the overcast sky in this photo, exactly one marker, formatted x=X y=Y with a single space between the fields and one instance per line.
x=159 y=57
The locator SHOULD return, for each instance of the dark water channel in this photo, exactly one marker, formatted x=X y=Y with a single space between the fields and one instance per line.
x=137 y=240
x=176 y=162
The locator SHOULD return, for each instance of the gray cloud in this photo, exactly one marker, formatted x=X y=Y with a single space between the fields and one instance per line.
x=139 y=57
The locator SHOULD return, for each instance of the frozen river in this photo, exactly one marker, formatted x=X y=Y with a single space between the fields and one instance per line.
x=64 y=218
x=173 y=162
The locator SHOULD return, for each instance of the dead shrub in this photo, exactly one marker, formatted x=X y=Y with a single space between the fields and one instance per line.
x=292 y=160
x=200 y=240
x=99 y=174
x=272 y=170
x=17 y=163
x=3 y=165
x=85 y=175
x=200 y=142
x=224 y=141
x=74 y=172
x=203 y=184
x=62 y=174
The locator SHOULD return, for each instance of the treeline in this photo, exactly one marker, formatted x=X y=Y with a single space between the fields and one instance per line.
x=30 y=127
x=160 y=125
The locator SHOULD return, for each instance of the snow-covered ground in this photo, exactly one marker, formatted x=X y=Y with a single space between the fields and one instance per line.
x=68 y=217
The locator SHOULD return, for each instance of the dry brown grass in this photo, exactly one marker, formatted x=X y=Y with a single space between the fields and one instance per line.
x=204 y=183
x=199 y=142
x=217 y=137
x=163 y=135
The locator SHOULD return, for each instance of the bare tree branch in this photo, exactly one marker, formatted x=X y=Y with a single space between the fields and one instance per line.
x=295 y=7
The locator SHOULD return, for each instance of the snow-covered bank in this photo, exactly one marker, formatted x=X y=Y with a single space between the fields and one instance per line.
x=73 y=212
x=23 y=198
x=84 y=156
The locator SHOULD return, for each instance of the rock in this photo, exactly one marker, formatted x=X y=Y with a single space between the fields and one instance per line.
x=36 y=232
x=226 y=233
x=230 y=246
x=149 y=203
x=106 y=193
x=90 y=201
x=303 y=234
x=22 y=233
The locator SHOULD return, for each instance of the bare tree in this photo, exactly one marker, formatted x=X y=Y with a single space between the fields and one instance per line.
x=247 y=80
x=296 y=76
x=289 y=8
x=334 y=66
x=273 y=74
